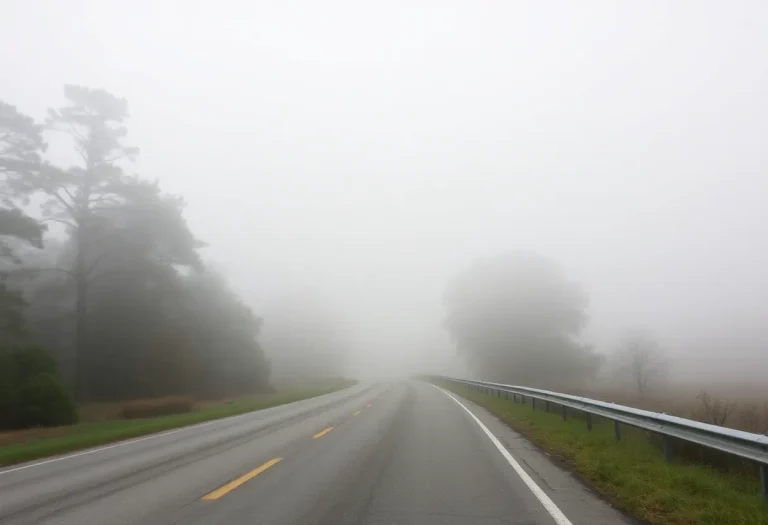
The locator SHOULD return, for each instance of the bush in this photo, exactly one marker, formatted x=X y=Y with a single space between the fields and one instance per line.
x=43 y=400
x=161 y=406
x=8 y=390
x=31 y=392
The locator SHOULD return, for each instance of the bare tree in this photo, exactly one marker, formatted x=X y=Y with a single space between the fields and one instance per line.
x=643 y=359
x=713 y=410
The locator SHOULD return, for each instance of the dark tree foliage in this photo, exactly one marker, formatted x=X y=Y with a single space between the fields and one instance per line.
x=21 y=143
x=14 y=224
x=225 y=331
x=31 y=392
x=120 y=295
x=94 y=119
x=14 y=227
x=516 y=318
x=45 y=401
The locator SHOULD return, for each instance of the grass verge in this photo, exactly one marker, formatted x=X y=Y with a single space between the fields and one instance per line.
x=85 y=435
x=632 y=473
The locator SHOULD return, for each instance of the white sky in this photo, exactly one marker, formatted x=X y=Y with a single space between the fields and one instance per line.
x=366 y=151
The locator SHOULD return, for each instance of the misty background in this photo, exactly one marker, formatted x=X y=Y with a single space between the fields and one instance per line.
x=345 y=160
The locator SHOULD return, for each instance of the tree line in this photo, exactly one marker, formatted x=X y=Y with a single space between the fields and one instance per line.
x=99 y=267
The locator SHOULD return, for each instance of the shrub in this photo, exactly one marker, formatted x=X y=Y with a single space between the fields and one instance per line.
x=8 y=390
x=31 y=392
x=43 y=400
x=161 y=406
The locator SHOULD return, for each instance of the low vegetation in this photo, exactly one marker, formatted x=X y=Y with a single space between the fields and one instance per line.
x=31 y=391
x=162 y=406
x=31 y=444
x=632 y=473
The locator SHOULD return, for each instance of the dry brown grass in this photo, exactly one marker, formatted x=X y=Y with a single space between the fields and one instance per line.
x=20 y=436
x=161 y=406
x=724 y=405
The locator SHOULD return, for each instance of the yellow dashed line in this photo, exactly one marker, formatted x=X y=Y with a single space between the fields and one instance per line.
x=232 y=485
x=322 y=433
x=356 y=413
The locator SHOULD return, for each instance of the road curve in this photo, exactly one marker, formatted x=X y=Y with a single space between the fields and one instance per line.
x=397 y=453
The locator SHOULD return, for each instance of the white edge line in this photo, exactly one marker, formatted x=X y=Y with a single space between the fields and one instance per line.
x=548 y=504
x=161 y=434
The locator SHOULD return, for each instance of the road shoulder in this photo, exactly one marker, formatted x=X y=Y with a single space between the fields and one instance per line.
x=579 y=502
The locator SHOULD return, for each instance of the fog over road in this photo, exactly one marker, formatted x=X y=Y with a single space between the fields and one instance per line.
x=395 y=453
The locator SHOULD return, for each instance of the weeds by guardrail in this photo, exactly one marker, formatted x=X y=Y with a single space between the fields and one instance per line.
x=753 y=447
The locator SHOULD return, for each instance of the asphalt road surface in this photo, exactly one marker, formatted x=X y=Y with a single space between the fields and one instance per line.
x=396 y=453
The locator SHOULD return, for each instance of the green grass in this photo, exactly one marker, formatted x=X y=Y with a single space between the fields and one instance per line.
x=87 y=435
x=632 y=473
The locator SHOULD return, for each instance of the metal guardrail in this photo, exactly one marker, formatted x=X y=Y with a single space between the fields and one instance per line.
x=753 y=447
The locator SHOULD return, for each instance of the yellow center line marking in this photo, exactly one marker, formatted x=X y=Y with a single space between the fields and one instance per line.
x=357 y=413
x=232 y=485
x=322 y=433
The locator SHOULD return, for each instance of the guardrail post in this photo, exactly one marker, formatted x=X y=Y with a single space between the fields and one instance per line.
x=565 y=412
x=533 y=403
x=764 y=481
x=522 y=398
x=589 y=421
x=667 y=449
x=617 y=430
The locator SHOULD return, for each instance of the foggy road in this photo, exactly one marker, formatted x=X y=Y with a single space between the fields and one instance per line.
x=397 y=453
